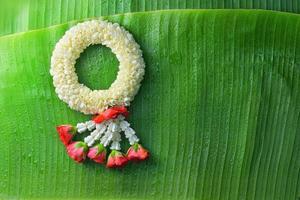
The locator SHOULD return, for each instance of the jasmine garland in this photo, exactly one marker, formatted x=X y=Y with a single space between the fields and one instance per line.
x=110 y=105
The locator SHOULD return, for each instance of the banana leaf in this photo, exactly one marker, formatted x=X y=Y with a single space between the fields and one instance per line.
x=218 y=109
x=24 y=15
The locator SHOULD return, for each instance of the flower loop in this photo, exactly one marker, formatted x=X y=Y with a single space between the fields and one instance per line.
x=73 y=43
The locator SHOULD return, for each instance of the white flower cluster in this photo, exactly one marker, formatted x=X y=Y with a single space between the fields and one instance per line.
x=69 y=48
x=108 y=132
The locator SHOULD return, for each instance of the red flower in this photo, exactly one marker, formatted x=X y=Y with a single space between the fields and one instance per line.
x=66 y=133
x=136 y=152
x=121 y=110
x=77 y=151
x=111 y=113
x=97 y=153
x=116 y=159
x=99 y=119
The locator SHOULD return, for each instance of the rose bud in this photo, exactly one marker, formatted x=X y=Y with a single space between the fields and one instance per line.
x=97 y=153
x=77 y=151
x=116 y=159
x=66 y=133
x=136 y=152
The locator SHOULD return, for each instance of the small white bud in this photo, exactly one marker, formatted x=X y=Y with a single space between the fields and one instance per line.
x=133 y=139
x=115 y=145
x=81 y=127
x=90 y=125
x=94 y=133
x=129 y=132
x=124 y=125
x=101 y=127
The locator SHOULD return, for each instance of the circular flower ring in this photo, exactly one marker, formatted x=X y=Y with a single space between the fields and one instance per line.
x=72 y=44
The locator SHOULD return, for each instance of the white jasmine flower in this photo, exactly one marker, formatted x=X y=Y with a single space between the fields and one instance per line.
x=133 y=139
x=90 y=125
x=115 y=145
x=120 y=118
x=94 y=133
x=101 y=127
x=106 y=139
x=81 y=127
x=89 y=140
x=114 y=127
x=129 y=132
x=124 y=125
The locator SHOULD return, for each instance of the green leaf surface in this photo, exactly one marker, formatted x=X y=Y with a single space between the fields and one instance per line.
x=24 y=15
x=218 y=109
